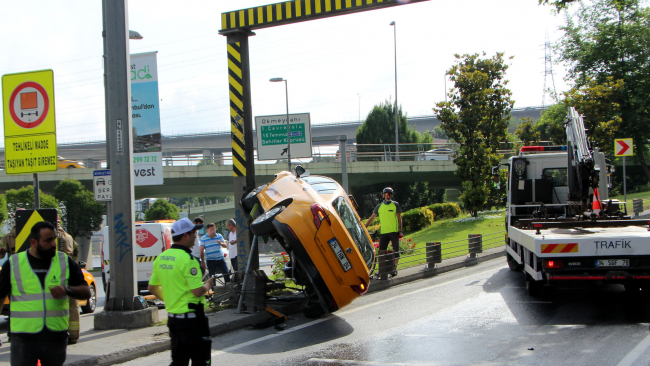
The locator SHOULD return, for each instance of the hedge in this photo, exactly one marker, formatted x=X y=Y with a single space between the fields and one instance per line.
x=417 y=219
x=445 y=210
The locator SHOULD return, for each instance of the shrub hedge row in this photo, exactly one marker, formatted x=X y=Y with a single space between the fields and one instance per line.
x=419 y=218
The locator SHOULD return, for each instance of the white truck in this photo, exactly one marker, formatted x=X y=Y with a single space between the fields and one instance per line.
x=562 y=226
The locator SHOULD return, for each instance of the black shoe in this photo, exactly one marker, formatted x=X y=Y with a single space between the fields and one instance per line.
x=394 y=273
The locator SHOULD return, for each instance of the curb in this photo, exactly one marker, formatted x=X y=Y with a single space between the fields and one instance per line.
x=148 y=349
x=380 y=285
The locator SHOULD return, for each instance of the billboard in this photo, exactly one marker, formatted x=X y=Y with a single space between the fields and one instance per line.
x=145 y=113
x=271 y=134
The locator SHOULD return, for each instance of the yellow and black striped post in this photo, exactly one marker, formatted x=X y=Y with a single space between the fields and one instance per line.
x=241 y=127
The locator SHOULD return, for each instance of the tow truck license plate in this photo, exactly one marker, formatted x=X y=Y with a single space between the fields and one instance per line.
x=612 y=263
x=340 y=255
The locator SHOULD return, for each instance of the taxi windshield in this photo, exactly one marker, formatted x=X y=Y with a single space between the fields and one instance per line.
x=353 y=225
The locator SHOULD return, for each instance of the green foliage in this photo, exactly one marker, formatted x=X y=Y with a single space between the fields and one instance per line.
x=551 y=124
x=24 y=198
x=476 y=116
x=527 y=133
x=606 y=41
x=417 y=219
x=439 y=133
x=278 y=264
x=447 y=210
x=82 y=214
x=161 y=210
x=3 y=209
x=558 y=4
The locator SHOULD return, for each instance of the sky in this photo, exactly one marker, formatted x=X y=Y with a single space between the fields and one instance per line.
x=337 y=68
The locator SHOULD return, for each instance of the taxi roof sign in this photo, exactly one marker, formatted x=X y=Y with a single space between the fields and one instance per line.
x=29 y=122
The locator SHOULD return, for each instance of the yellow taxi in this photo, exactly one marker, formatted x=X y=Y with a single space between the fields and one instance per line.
x=317 y=224
x=69 y=164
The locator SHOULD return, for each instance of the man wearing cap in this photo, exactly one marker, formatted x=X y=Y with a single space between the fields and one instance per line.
x=177 y=280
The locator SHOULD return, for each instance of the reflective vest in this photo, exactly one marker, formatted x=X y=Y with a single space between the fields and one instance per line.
x=33 y=307
x=388 y=217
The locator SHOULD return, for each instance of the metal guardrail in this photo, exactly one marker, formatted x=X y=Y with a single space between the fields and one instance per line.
x=434 y=252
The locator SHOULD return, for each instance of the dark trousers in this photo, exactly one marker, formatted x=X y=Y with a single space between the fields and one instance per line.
x=190 y=340
x=218 y=266
x=233 y=264
x=27 y=351
x=390 y=237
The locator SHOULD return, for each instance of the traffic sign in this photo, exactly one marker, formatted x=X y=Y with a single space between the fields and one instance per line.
x=29 y=123
x=271 y=134
x=623 y=147
x=102 y=185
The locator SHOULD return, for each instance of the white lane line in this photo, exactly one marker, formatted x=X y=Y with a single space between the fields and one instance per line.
x=340 y=314
x=352 y=362
x=636 y=352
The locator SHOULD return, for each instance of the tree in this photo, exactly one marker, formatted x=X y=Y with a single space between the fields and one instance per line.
x=3 y=208
x=551 y=124
x=24 y=198
x=476 y=116
x=161 y=210
x=439 y=133
x=559 y=4
x=82 y=215
x=527 y=133
x=606 y=41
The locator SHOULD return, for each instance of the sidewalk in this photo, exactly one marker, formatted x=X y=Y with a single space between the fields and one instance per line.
x=109 y=347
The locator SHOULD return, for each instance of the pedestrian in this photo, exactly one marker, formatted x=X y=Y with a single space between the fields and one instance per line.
x=211 y=253
x=232 y=243
x=176 y=280
x=66 y=244
x=40 y=280
x=390 y=218
x=196 y=249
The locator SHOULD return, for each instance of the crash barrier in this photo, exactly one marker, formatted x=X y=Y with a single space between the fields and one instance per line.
x=434 y=252
x=637 y=206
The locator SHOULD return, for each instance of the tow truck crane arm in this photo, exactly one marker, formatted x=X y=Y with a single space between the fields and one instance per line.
x=583 y=173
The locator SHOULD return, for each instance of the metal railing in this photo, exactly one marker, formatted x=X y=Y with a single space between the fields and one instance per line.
x=434 y=252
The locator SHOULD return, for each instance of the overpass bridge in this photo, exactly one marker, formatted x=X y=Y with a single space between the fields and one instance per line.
x=216 y=143
x=217 y=180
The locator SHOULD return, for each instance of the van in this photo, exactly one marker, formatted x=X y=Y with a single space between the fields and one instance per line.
x=152 y=238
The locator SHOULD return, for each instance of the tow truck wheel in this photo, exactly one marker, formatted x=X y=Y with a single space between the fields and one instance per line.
x=513 y=265
x=534 y=288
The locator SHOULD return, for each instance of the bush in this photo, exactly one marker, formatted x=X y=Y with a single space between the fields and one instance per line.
x=417 y=219
x=445 y=210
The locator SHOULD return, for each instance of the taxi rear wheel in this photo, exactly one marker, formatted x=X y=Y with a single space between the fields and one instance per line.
x=91 y=304
x=263 y=224
x=250 y=200
x=312 y=308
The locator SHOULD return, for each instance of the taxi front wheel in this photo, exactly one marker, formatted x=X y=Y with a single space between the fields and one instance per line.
x=250 y=199
x=263 y=224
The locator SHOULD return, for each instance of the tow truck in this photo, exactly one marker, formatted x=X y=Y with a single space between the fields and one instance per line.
x=561 y=225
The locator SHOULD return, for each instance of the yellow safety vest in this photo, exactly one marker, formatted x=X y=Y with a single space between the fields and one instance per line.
x=32 y=306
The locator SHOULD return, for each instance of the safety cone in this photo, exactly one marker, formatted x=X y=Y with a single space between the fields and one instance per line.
x=597 y=205
x=38 y=363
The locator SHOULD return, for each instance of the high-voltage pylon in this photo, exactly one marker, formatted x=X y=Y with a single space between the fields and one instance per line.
x=548 y=71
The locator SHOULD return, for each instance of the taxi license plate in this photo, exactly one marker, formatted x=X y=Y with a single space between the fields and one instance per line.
x=612 y=263
x=340 y=255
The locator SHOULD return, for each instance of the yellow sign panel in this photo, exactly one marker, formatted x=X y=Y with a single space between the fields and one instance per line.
x=29 y=122
x=30 y=154
x=623 y=147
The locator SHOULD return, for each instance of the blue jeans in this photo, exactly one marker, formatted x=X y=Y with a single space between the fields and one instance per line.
x=27 y=351
x=218 y=266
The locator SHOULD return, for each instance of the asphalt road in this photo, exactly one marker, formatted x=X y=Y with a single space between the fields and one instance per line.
x=477 y=315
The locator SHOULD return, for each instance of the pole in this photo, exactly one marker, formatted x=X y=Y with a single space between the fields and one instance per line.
x=344 y=162
x=37 y=195
x=624 y=185
x=119 y=137
x=359 y=107
x=396 y=111
x=286 y=88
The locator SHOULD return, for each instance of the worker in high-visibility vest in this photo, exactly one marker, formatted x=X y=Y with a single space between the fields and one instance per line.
x=177 y=280
x=40 y=281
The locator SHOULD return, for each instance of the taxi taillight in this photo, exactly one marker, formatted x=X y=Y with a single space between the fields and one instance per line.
x=361 y=288
x=319 y=215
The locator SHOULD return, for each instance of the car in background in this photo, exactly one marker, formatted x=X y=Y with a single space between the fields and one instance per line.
x=317 y=224
x=436 y=154
x=69 y=164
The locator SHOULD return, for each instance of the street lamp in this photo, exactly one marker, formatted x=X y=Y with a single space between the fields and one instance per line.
x=396 y=114
x=286 y=88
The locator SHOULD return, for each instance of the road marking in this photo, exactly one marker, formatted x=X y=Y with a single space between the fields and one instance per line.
x=352 y=362
x=340 y=314
x=636 y=352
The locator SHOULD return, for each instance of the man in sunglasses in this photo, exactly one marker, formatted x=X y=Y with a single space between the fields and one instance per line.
x=390 y=217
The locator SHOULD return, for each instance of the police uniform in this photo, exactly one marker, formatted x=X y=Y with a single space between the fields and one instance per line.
x=177 y=272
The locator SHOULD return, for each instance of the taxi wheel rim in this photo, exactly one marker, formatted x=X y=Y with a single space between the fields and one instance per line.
x=93 y=297
x=268 y=214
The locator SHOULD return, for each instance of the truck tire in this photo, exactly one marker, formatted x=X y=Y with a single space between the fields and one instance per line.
x=513 y=265
x=534 y=288
x=263 y=224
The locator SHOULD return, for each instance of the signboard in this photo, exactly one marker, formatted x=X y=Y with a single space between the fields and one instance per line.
x=25 y=220
x=29 y=123
x=623 y=147
x=145 y=113
x=271 y=134
x=102 y=185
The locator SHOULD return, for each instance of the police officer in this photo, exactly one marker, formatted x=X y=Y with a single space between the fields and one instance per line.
x=390 y=218
x=40 y=281
x=176 y=279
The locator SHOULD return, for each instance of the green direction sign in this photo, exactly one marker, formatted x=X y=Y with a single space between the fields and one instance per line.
x=271 y=134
